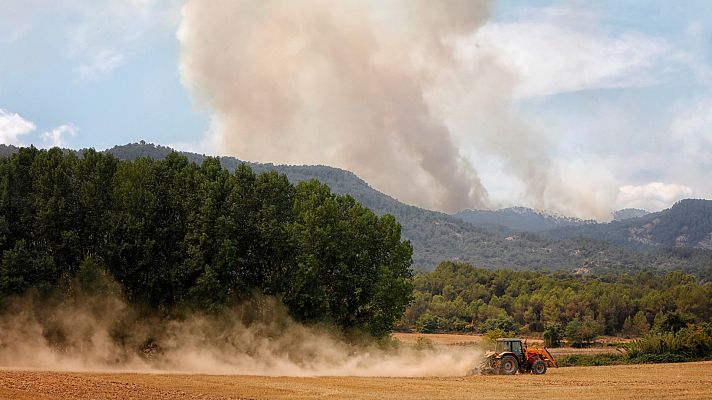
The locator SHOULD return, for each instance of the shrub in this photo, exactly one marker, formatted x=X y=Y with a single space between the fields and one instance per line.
x=552 y=335
x=583 y=360
x=693 y=342
x=673 y=322
x=423 y=343
x=503 y=323
x=429 y=323
x=494 y=334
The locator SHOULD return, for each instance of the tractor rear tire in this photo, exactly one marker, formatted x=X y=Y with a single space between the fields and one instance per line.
x=539 y=367
x=509 y=365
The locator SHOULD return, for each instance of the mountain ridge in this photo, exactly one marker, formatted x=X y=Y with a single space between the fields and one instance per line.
x=687 y=224
x=628 y=213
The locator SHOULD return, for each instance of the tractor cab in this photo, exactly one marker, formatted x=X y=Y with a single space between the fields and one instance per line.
x=511 y=345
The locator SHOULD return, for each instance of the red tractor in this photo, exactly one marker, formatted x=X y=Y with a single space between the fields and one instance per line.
x=512 y=355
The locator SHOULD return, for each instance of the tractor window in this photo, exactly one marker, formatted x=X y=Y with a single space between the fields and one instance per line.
x=503 y=346
x=517 y=347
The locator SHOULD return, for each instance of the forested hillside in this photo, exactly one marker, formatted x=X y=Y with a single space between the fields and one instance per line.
x=518 y=219
x=437 y=236
x=628 y=213
x=457 y=296
x=181 y=236
x=687 y=224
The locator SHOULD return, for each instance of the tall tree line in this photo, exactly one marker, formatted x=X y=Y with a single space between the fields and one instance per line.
x=177 y=235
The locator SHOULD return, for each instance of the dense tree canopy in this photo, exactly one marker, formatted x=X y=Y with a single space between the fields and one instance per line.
x=179 y=235
x=457 y=296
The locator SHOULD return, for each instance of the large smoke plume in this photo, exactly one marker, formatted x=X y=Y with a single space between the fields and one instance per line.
x=393 y=90
x=340 y=83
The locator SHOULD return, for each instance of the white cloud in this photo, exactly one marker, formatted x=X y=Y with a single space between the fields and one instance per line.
x=628 y=151
x=110 y=33
x=57 y=136
x=552 y=55
x=101 y=65
x=691 y=130
x=12 y=126
x=98 y=37
x=693 y=120
x=653 y=196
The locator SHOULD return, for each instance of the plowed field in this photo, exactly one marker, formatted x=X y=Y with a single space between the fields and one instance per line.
x=662 y=381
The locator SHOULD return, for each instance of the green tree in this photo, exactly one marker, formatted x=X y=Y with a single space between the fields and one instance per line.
x=428 y=323
x=674 y=322
x=580 y=332
x=352 y=268
x=504 y=323
x=553 y=335
x=641 y=327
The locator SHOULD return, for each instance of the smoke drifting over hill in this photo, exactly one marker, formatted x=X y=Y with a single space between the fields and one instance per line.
x=309 y=81
x=390 y=90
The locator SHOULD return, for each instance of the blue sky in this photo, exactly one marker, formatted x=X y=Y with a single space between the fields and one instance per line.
x=110 y=71
x=622 y=89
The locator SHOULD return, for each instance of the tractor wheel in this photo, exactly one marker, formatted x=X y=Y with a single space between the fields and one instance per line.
x=539 y=367
x=509 y=365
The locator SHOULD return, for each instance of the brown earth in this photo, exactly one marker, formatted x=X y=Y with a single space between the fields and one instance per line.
x=661 y=381
x=439 y=338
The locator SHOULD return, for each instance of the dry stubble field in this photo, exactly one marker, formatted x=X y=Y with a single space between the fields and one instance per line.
x=662 y=381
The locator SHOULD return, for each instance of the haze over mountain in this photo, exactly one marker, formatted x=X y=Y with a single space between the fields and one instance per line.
x=687 y=224
x=519 y=219
x=437 y=236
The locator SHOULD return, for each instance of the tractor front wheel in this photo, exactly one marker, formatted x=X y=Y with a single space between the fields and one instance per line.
x=539 y=367
x=509 y=365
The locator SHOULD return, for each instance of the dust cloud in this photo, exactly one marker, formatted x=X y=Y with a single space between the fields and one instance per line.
x=258 y=338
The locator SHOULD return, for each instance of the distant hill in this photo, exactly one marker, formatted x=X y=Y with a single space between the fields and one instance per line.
x=687 y=224
x=437 y=236
x=519 y=219
x=628 y=213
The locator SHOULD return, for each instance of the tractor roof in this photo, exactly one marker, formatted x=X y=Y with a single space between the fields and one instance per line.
x=509 y=340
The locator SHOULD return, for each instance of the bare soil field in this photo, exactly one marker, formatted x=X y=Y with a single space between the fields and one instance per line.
x=439 y=338
x=661 y=381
